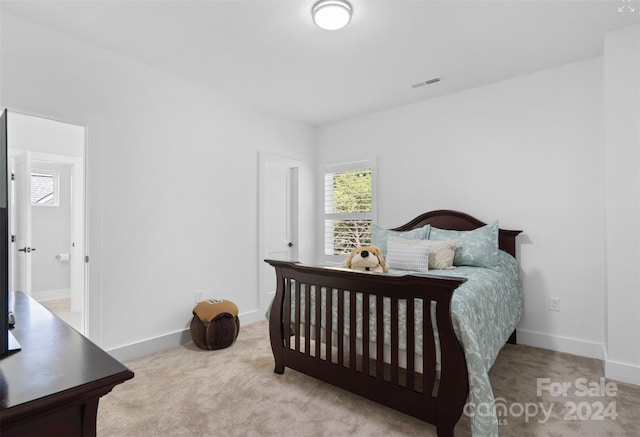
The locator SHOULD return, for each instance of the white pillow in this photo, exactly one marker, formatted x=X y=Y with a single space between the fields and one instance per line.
x=412 y=255
x=442 y=253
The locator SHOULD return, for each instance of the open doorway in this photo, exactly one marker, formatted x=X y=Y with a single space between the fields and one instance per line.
x=47 y=223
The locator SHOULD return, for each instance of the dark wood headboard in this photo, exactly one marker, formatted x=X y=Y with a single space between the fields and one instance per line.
x=459 y=221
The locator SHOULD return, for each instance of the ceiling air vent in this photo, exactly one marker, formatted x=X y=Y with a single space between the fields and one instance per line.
x=427 y=82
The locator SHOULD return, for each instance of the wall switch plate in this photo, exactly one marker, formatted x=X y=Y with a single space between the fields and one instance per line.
x=199 y=296
x=554 y=304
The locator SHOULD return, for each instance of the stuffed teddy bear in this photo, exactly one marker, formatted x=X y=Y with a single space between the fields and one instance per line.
x=366 y=259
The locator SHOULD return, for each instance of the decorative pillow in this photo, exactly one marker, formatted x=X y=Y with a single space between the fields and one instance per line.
x=478 y=247
x=441 y=254
x=379 y=236
x=403 y=254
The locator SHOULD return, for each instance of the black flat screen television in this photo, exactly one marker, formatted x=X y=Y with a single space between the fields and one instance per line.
x=4 y=239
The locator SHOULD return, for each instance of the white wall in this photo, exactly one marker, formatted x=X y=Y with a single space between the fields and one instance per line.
x=527 y=151
x=172 y=181
x=622 y=103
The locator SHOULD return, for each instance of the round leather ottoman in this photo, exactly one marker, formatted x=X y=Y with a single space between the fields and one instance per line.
x=215 y=324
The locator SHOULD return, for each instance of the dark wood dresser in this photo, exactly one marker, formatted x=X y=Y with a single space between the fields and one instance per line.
x=53 y=385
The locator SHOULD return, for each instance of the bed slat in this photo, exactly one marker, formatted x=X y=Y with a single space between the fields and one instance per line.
x=365 y=334
x=352 y=330
x=328 y=323
x=318 y=324
x=341 y=327
x=307 y=318
x=297 y=316
x=411 y=345
x=287 y=314
x=394 y=341
x=379 y=337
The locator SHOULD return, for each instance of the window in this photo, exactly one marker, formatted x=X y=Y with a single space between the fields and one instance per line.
x=44 y=188
x=349 y=207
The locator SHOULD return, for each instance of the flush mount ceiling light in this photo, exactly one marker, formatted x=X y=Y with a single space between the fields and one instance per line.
x=331 y=14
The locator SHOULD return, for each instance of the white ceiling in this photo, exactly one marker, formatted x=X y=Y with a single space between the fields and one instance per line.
x=269 y=53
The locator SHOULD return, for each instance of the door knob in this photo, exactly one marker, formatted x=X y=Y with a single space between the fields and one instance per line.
x=290 y=244
x=27 y=249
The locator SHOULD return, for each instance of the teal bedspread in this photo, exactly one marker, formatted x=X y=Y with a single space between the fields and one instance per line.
x=485 y=310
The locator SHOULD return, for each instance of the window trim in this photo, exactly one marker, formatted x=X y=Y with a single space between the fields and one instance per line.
x=371 y=163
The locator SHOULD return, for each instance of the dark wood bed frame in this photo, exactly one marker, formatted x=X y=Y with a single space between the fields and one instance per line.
x=437 y=399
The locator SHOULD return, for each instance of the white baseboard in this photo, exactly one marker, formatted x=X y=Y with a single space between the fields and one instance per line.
x=623 y=372
x=152 y=345
x=251 y=317
x=45 y=295
x=557 y=343
x=171 y=340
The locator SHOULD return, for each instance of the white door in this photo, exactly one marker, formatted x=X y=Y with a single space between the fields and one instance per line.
x=21 y=248
x=278 y=204
x=279 y=218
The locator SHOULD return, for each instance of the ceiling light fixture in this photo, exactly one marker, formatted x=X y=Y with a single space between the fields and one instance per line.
x=331 y=14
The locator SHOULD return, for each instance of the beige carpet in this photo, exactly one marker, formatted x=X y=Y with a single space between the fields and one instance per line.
x=233 y=392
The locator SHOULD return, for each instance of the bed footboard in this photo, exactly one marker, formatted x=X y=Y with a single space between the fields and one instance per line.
x=345 y=327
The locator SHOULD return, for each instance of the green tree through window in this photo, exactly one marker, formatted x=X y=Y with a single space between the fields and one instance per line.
x=348 y=210
x=352 y=191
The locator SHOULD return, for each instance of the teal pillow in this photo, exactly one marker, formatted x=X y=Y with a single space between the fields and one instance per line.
x=478 y=247
x=379 y=236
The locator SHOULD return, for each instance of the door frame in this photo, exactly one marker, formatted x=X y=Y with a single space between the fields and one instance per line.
x=80 y=215
x=294 y=165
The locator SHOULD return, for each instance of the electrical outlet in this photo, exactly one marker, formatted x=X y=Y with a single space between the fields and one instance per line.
x=199 y=296
x=554 y=304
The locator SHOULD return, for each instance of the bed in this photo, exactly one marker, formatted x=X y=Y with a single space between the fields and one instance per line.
x=420 y=343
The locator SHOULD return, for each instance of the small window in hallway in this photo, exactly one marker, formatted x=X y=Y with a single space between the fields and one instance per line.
x=43 y=188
